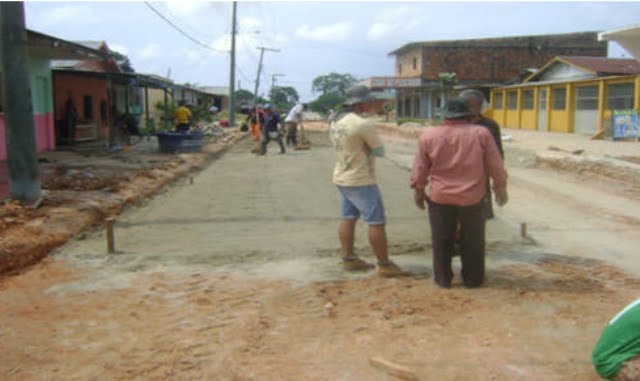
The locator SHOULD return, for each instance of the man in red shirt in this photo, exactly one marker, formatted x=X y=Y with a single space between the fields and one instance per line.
x=453 y=160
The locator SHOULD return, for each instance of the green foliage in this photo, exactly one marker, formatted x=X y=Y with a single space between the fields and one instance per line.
x=326 y=102
x=284 y=97
x=447 y=80
x=149 y=127
x=246 y=97
x=167 y=124
x=123 y=61
x=333 y=83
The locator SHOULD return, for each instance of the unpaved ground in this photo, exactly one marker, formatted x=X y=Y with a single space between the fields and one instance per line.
x=228 y=279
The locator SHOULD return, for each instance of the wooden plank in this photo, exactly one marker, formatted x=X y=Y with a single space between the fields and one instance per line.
x=393 y=369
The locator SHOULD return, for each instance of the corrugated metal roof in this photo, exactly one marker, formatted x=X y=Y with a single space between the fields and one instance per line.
x=603 y=65
x=563 y=81
x=215 y=90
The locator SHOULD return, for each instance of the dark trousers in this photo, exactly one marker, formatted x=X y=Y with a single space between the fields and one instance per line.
x=444 y=221
x=488 y=202
x=266 y=139
x=183 y=127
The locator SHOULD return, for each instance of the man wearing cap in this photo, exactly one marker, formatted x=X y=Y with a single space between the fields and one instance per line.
x=271 y=130
x=453 y=160
x=357 y=143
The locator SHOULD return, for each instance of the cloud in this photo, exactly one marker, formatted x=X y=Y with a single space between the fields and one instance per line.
x=249 y=37
x=68 y=14
x=393 y=21
x=119 y=48
x=149 y=52
x=334 y=32
x=248 y=24
x=184 y=8
x=379 y=29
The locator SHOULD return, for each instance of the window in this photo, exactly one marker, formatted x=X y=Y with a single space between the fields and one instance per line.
x=87 y=102
x=559 y=99
x=497 y=100
x=415 y=63
x=587 y=98
x=399 y=69
x=527 y=99
x=620 y=96
x=512 y=100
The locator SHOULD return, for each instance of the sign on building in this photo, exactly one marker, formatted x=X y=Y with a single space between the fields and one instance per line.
x=394 y=82
x=625 y=124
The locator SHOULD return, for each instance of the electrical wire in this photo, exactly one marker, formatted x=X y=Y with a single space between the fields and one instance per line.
x=181 y=31
x=185 y=26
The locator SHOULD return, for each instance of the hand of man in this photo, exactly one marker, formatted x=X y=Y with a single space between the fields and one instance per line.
x=502 y=197
x=420 y=198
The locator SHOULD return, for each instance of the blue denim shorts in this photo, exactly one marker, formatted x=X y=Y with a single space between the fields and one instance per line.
x=365 y=201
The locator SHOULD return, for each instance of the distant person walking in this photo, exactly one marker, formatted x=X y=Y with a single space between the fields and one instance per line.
x=271 y=130
x=453 y=159
x=292 y=120
x=357 y=143
x=255 y=120
x=182 y=117
x=477 y=101
x=616 y=356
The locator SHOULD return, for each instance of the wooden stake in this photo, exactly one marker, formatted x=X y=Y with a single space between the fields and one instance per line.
x=523 y=230
x=191 y=180
x=111 y=244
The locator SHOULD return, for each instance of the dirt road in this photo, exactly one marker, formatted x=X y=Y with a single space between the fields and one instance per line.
x=229 y=279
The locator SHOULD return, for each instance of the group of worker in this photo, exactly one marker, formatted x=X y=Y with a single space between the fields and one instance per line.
x=266 y=125
x=450 y=175
x=451 y=178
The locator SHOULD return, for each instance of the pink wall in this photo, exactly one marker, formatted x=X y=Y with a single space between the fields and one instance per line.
x=45 y=137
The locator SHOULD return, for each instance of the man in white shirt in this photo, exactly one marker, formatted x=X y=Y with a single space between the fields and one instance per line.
x=291 y=122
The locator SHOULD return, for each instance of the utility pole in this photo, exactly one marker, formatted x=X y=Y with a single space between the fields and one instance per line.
x=274 y=77
x=22 y=157
x=255 y=92
x=232 y=74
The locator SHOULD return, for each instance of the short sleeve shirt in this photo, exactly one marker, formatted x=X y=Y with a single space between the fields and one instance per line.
x=353 y=139
x=294 y=114
x=619 y=341
x=183 y=115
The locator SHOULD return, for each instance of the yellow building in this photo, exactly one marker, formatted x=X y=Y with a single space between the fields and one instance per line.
x=569 y=94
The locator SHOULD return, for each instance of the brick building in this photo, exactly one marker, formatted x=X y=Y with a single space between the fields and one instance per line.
x=482 y=63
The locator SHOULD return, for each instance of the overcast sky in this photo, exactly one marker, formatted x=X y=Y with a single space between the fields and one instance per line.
x=315 y=38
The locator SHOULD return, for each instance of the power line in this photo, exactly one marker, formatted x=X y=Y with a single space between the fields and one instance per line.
x=185 y=34
x=185 y=25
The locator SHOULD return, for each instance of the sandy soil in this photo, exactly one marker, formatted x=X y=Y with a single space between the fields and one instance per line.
x=237 y=277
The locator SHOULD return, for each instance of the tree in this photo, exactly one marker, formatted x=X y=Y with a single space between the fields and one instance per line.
x=123 y=61
x=284 y=97
x=326 y=102
x=447 y=82
x=243 y=96
x=333 y=83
